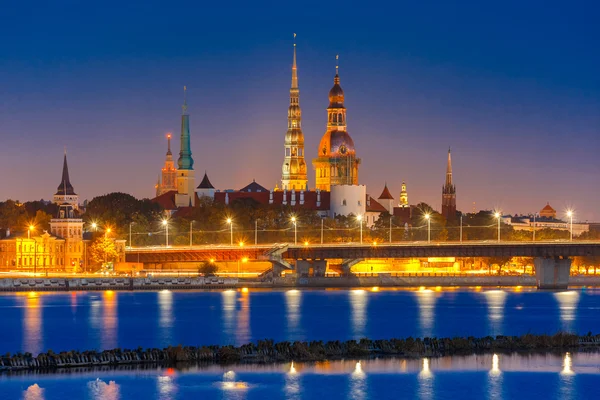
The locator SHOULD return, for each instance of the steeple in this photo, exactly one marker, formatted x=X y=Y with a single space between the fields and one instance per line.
x=449 y=192
x=185 y=154
x=167 y=180
x=293 y=174
x=403 y=196
x=65 y=188
x=169 y=154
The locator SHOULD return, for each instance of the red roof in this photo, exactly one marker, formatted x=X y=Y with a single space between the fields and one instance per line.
x=166 y=200
x=374 y=206
x=548 y=208
x=386 y=195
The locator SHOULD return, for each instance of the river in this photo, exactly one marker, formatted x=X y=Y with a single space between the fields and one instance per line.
x=34 y=322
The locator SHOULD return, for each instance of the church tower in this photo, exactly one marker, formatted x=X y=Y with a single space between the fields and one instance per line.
x=449 y=193
x=168 y=178
x=337 y=163
x=185 y=172
x=294 y=168
x=65 y=194
x=403 y=196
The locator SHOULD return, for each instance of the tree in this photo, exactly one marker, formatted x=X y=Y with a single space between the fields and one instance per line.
x=208 y=268
x=499 y=261
x=103 y=250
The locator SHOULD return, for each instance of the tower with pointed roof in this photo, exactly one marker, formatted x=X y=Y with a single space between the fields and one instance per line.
x=185 y=172
x=386 y=199
x=403 y=196
x=65 y=194
x=205 y=188
x=67 y=224
x=293 y=171
x=449 y=192
x=168 y=177
x=336 y=163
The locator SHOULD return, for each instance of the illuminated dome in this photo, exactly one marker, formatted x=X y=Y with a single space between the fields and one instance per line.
x=336 y=94
x=336 y=144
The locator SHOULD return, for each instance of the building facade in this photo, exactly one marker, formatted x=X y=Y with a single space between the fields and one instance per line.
x=168 y=175
x=337 y=163
x=293 y=171
x=449 y=193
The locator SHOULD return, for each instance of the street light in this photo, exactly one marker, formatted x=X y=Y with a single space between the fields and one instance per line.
x=106 y=232
x=360 y=218
x=498 y=215
x=191 y=231
x=391 y=229
x=295 y=231
x=29 y=230
x=428 y=218
x=230 y=222
x=130 y=245
x=570 y=215
x=95 y=226
x=166 y=224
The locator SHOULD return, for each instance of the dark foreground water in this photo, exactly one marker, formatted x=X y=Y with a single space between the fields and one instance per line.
x=565 y=376
x=36 y=322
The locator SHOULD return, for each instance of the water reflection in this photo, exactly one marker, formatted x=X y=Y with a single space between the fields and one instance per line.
x=292 y=383
x=567 y=304
x=228 y=299
x=293 y=299
x=100 y=390
x=33 y=392
x=358 y=383
x=109 y=320
x=358 y=303
x=32 y=333
x=426 y=299
x=165 y=385
x=425 y=381
x=242 y=333
x=567 y=378
x=165 y=308
x=233 y=389
x=495 y=379
x=495 y=301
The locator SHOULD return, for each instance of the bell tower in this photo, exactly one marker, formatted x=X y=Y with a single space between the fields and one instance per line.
x=185 y=173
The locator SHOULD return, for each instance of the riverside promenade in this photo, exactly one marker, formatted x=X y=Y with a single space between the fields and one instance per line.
x=212 y=283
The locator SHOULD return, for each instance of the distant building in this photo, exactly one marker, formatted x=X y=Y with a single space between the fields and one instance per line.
x=449 y=193
x=546 y=220
x=548 y=211
x=167 y=181
x=403 y=196
x=336 y=163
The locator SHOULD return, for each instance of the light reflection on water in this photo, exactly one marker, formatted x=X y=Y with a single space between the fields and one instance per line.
x=555 y=378
x=567 y=303
x=358 y=302
x=32 y=332
x=426 y=299
x=495 y=301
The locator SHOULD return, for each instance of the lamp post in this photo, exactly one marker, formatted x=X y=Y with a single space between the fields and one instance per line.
x=256 y=232
x=230 y=222
x=130 y=245
x=191 y=232
x=166 y=225
x=391 y=229
x=428 y=218
x=570 y=215
x=498 y=215
x=95 y=226
x=360 y=218
x=106 y=232
x=321 y=230
x=295 y=231
x=534 y=226
x=29 y=230
x=461 y=228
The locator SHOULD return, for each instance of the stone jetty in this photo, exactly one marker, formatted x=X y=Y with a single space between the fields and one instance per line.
x=267 y=351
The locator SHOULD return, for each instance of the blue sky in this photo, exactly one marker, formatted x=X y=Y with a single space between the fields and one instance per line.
x=513 y=87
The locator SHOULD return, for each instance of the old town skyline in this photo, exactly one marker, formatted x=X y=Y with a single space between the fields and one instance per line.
x=406 y=104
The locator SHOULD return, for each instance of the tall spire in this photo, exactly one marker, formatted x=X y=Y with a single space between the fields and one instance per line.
x=449 y=170
x=65 y=188
x=294 y=68
x=169 y=144
x=185 y=154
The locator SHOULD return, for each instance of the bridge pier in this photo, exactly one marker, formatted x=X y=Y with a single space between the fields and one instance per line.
x=552 y=272
x=303 y=267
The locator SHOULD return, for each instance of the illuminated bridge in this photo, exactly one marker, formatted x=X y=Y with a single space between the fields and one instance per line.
x=552 y=259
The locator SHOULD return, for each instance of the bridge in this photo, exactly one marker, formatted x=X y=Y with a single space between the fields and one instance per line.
x=552 y=259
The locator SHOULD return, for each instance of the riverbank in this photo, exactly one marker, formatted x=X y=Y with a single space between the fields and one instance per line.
x=202 y=283
x=266 y=351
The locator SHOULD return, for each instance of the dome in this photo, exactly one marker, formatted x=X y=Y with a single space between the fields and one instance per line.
x=336 y=94
x=336 y=143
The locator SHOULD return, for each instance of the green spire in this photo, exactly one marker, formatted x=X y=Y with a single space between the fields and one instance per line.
x=185 y=155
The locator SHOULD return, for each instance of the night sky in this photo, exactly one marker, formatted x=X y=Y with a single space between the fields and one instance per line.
x=513 y=87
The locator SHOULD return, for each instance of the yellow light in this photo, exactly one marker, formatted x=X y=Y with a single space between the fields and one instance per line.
x=212 y=260
x=245 y=290
x=32 y=294
x=94 y=225
x=438 y=288
x=497 y=214
x=165 y=222
x=293 y=219
x=168 y=135
x=306 y=243
x=241 y=244
x=229 y=220
x=375 y=289
x=427 y=216
x=359 y=217
x=108 y=230
x=31 y=227
x=374 y=243
x=518 y=288
x=422 y=288
x=569 y=213
x=245 y=259
x=477 y=287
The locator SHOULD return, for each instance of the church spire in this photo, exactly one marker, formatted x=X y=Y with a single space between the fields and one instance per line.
x=449 y=170
x=185 y=154
x=294 y=167
x=65 y=188
x=169 y=144
x=449 y=192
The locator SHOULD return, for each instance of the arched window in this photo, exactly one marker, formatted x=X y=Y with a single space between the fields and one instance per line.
x=344 y=202
x=340 y=117
x=334 y=117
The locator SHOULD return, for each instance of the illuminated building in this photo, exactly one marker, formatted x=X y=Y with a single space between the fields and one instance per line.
x=168 y=178
x=386 y=199
x=336 y=163
x=293 y=175
x=403 y=196
x=449 y=193
x=548 y=212
x=185 y=172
